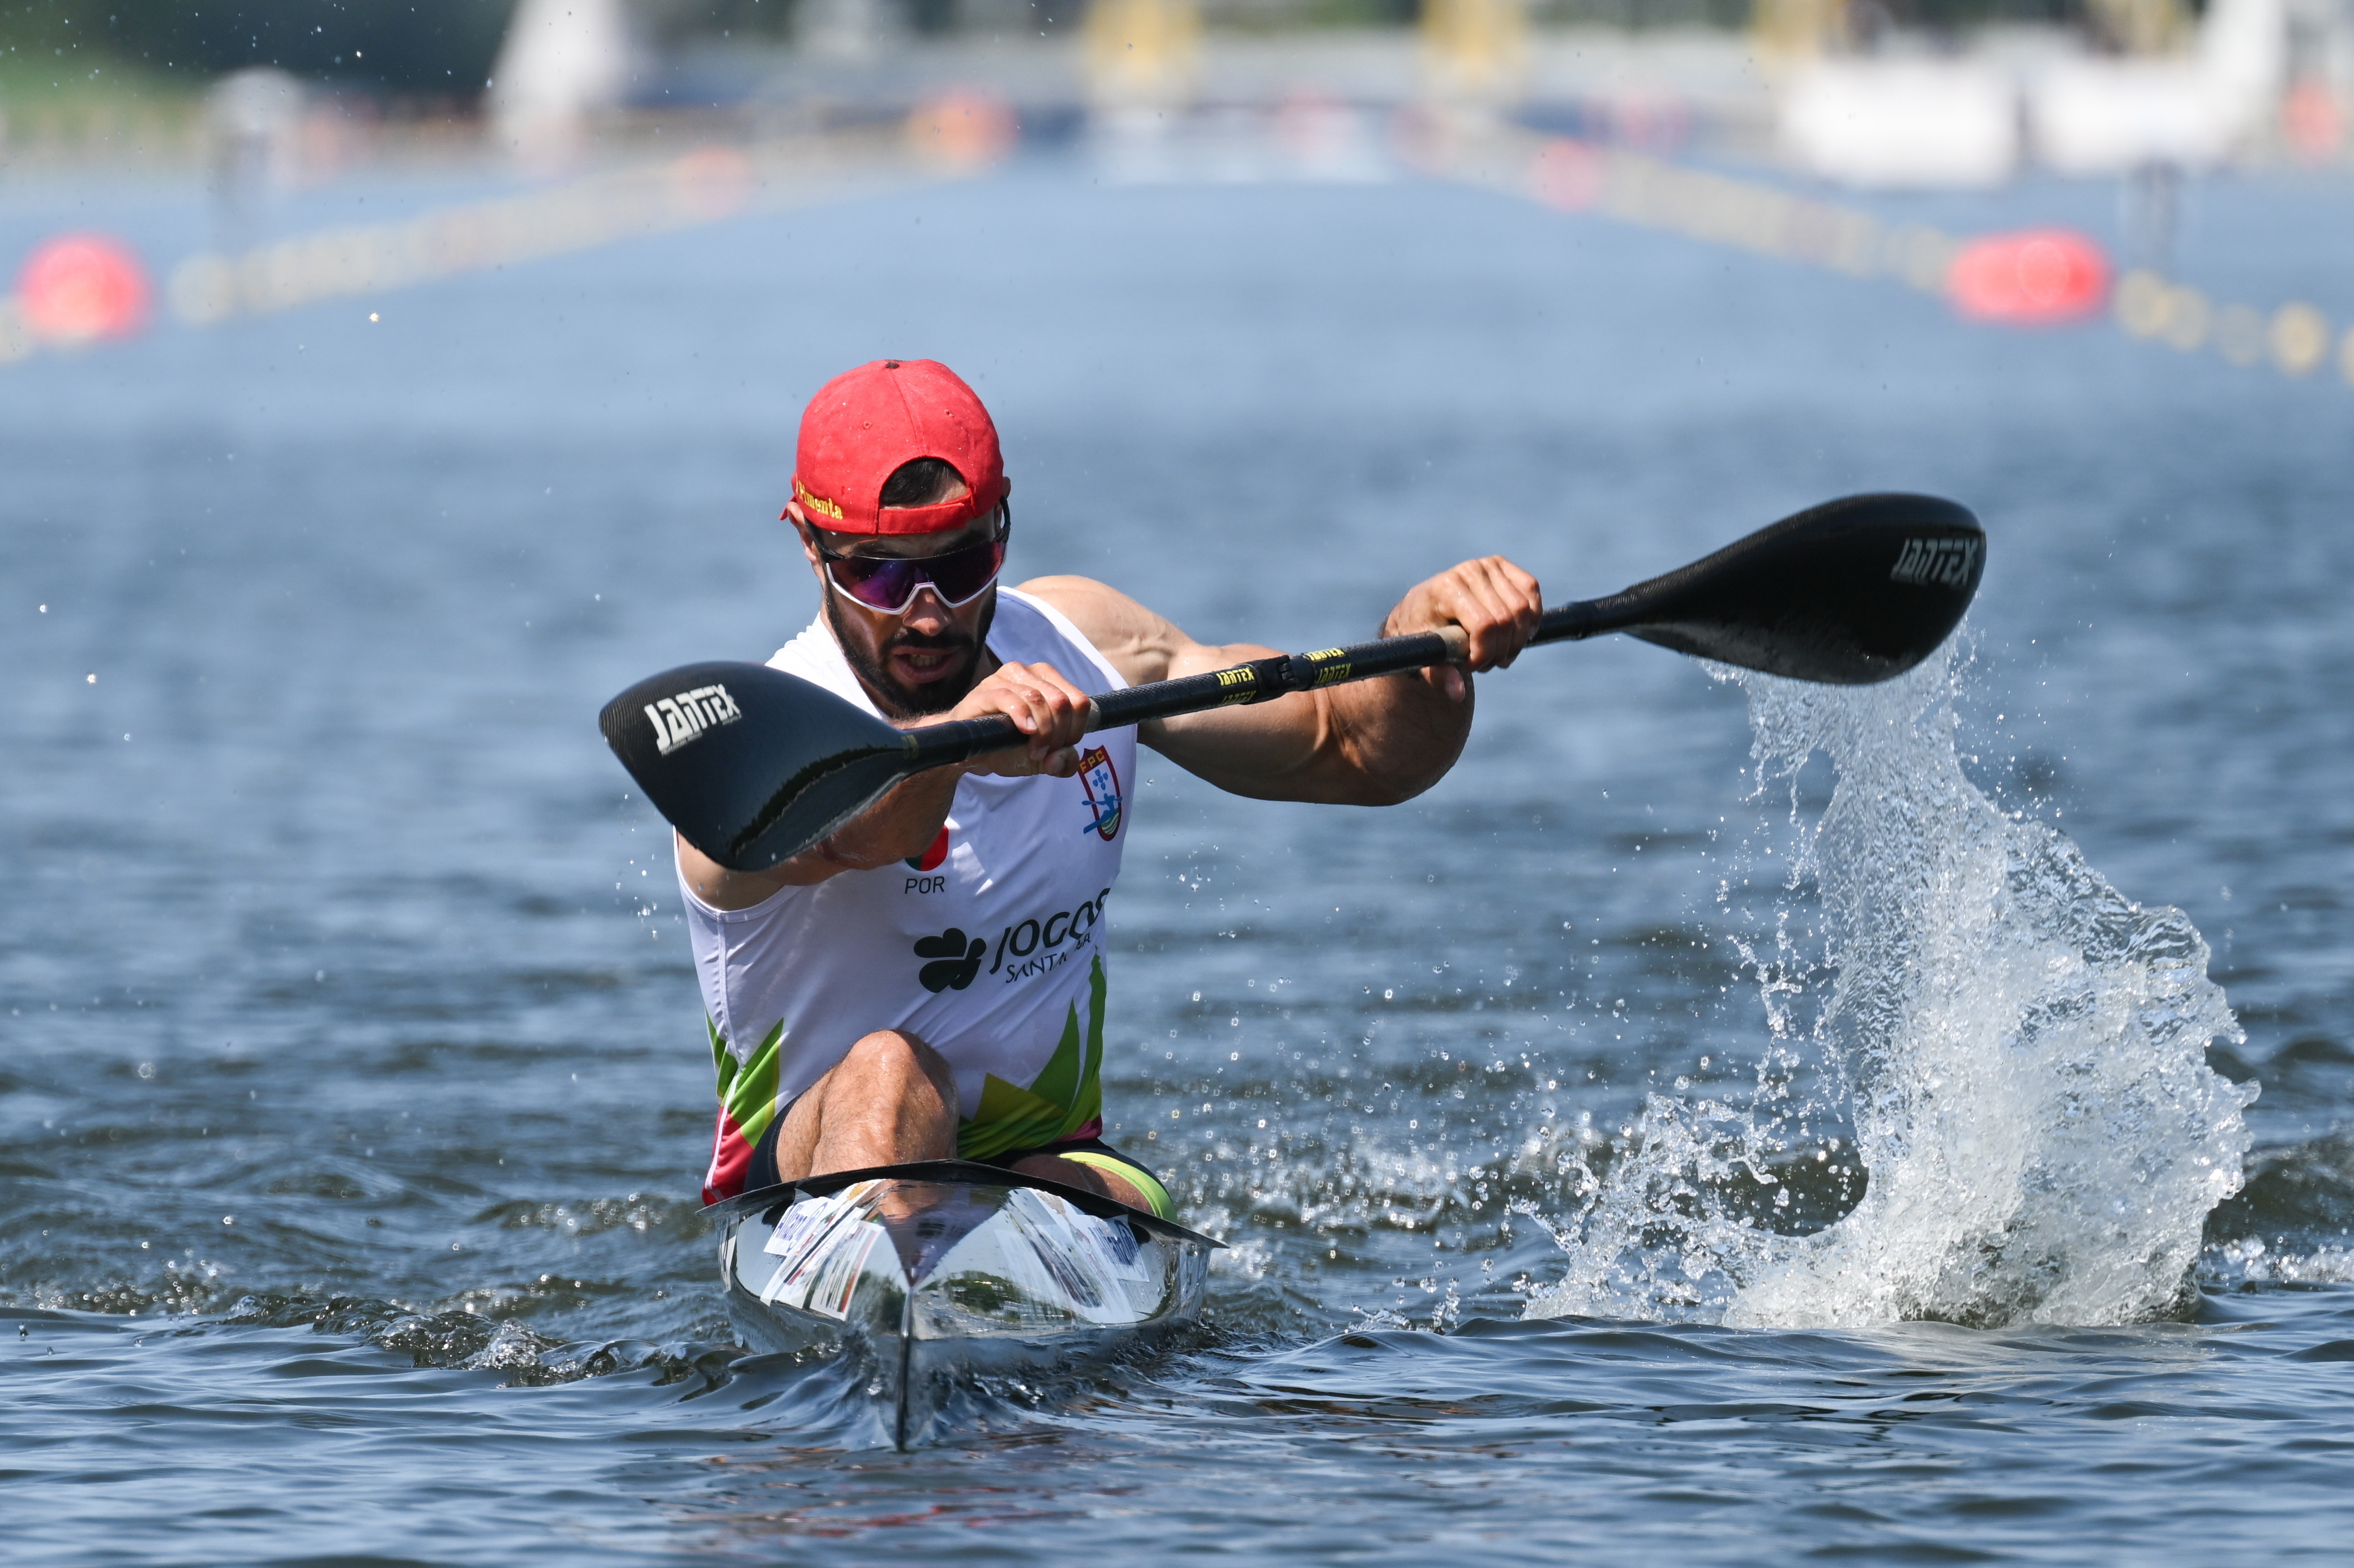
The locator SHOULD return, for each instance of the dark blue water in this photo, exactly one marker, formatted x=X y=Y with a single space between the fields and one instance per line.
x=355 y=1095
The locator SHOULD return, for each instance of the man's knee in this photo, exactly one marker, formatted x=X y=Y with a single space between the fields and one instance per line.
x=893 y=1059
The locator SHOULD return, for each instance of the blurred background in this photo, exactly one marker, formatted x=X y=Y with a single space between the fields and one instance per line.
x=1572 y=102
x=1984 y=85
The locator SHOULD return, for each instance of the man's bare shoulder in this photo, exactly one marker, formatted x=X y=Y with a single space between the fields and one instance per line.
x=1140 y=643
x=1085 y=601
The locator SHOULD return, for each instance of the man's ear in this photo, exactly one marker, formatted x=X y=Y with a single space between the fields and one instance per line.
x=799 y=521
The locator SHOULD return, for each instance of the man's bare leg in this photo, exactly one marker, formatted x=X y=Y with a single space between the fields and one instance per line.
x=1093 y=1179
x=891 y=1100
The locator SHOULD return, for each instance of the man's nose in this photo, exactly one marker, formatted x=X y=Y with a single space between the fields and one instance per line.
x=926 y=610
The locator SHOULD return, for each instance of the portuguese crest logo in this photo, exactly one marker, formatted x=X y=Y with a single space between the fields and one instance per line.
x=1101 y=781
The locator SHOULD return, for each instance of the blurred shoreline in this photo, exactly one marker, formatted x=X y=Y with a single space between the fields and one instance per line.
x=1658 y=89
x=1926 y=111
x=584 y=134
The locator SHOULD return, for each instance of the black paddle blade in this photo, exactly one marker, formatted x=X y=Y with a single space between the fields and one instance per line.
x=1848 y=593
x=752 y=765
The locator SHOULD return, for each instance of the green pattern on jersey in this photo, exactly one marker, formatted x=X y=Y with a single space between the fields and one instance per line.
x=1066 y=1095
x=748 y=1091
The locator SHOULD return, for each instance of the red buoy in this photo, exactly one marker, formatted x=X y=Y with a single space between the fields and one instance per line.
x=963 y=127
x=2033 y=279
x=77 y=287
x=1568 y=174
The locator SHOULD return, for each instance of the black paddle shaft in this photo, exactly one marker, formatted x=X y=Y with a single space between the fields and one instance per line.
x=754 y=766
x=1848 y=593
x=1259 y=681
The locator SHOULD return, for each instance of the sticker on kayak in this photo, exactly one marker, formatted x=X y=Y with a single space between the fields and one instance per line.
x=826 y=1280
x=803 y=1224
x=683 y=718
x=1094 y=1264
x=1045 y=1222
x=834 y=1278
x=801 y=1239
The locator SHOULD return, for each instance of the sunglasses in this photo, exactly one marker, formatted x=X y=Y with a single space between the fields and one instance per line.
x=890 y=583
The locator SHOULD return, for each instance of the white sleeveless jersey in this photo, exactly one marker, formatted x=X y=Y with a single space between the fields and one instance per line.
x=988 y=947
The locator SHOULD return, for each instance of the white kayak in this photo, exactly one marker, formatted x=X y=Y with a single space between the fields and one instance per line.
x=932 y=1272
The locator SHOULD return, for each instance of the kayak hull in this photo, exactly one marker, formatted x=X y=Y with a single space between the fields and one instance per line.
x=928 y=1276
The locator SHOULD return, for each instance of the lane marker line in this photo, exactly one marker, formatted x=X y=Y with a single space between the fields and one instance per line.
x=1572 y=175
x=709 y=184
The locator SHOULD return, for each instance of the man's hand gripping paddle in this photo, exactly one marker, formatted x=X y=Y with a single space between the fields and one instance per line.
x=754 y=766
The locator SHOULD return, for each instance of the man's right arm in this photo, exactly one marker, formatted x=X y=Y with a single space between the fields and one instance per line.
x=1046 y=708
x=903 y=823
x=1372 y=743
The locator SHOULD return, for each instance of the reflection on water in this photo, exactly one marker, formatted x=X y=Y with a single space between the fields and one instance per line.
x=355 y=1097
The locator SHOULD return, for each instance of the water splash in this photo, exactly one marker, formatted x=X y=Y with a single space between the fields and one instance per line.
x=2019 y=1050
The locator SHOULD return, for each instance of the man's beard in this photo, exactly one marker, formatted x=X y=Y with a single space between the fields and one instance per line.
x=905 y=702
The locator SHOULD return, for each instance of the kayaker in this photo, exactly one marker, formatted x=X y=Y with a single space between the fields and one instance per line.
x=928 y=982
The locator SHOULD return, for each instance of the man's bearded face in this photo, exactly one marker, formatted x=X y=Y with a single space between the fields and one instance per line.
x=873 y=657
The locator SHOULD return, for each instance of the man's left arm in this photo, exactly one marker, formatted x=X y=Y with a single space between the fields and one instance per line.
x=1367 y=743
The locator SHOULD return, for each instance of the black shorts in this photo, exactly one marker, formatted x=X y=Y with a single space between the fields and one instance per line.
x=1094 y=1151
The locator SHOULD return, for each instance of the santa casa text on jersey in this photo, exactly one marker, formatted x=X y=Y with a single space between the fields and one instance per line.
x=988 y=947
x=955 y=959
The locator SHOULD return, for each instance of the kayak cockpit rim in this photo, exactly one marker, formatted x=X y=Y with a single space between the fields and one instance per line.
x=959 y=1170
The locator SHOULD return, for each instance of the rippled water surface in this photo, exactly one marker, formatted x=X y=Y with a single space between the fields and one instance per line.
x=1718 y=1122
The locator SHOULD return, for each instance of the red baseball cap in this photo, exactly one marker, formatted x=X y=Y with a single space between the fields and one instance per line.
x=864 y=423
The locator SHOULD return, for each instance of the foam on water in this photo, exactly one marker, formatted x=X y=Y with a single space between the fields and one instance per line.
x=2018 y=1049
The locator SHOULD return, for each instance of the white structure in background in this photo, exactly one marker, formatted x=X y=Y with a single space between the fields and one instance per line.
x=253 y=134
x=2106 y=116
x=1902 y=123
x=850 y=31
x=562 y=61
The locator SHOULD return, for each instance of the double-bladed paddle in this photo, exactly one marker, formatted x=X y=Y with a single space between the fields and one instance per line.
x=754 y=766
